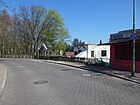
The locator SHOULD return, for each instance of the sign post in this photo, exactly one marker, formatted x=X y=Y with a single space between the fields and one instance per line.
x=133 y=36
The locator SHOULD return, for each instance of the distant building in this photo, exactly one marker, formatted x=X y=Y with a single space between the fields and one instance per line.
x=93 y=51
x=121 y=50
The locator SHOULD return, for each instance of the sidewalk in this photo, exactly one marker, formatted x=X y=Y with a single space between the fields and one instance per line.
x=3 y=76
x=105 y=70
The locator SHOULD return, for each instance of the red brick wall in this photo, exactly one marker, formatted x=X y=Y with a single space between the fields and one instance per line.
x=122 y=64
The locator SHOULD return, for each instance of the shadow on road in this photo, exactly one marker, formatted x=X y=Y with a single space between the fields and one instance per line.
x=1 y=60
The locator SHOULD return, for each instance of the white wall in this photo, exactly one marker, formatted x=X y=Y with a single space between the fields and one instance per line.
x=98 y=50
x=91 y=48
x=88 y=48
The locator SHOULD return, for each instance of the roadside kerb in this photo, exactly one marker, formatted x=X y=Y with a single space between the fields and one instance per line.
x=3 y=76
x=98 y=71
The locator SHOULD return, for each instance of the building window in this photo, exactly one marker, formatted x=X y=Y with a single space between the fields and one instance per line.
x=75 y=52
x=92 y=53
x=137 y=52
x=123 y=52
x=103 y=53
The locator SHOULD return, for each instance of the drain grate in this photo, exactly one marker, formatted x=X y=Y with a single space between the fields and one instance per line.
x=129 y=84
x=98 y=74
x=41 y=82
x=86 y=75
x=66 y=69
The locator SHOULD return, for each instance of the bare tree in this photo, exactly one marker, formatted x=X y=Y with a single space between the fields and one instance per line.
x=4 y=4
x=5 y=38
x=30 y=24
x=21 y=33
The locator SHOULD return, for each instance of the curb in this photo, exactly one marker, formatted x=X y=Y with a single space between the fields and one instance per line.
x=117 y=76
x=3 y=79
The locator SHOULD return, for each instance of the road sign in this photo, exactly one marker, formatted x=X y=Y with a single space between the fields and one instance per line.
x=133 y=36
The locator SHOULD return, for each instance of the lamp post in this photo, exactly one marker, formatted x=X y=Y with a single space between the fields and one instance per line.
x=134 y=42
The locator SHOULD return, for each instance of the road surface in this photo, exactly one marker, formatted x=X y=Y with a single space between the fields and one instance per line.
x=32 y=82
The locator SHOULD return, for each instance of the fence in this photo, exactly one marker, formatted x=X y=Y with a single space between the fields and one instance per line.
x=16 y=56
x=64 y=58
x=75 y=59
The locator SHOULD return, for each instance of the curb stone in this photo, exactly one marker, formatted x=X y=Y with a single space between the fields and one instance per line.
x=117 y=76
x=3 y=78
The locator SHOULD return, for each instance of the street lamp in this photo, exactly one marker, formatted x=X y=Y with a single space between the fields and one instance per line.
x=134 y=42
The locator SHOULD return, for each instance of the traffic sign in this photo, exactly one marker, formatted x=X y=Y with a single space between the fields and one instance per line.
x=133 y=36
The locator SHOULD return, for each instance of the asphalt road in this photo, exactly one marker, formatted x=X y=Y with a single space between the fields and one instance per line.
x=40 y=83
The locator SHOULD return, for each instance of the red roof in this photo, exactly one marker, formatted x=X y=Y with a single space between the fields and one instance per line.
x=70 y=54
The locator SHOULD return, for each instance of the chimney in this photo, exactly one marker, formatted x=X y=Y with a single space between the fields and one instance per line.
x=100 y=41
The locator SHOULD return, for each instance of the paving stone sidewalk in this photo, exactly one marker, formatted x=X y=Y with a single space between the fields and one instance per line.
x=101 y=69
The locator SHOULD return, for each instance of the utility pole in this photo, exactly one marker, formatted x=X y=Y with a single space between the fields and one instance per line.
x=134 y=41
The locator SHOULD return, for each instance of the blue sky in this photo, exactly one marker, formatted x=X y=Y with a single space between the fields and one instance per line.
x=90 y=20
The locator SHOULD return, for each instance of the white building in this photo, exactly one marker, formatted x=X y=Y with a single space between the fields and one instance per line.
x=93 y=51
